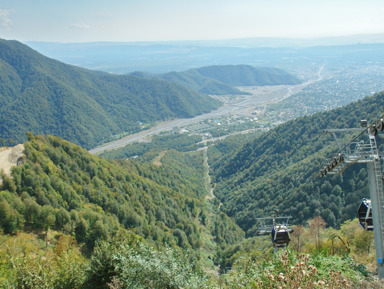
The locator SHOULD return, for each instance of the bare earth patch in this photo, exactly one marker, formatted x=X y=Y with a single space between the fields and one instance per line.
x=9 y=157
x=157 y=160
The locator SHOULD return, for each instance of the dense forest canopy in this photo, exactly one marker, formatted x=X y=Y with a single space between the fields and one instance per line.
x=62 y=186
x=279 y=170
x=49 y=97
x=77 y=220
x=94 y=223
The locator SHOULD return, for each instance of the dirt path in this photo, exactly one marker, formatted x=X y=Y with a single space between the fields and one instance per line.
x=157 y=160
x=9 y=157
x=207 y=177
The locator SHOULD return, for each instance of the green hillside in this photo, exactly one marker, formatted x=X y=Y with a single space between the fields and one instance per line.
x=279 y=170
x=221 y=79
x=69 y=219
x=194 y=80
x=246 y=75
x=63 y=187
x=48 y=97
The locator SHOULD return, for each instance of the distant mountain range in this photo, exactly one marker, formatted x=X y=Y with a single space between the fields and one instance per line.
x=86 y=107
x=221 y=79
x=46 y=96
x=164 y=57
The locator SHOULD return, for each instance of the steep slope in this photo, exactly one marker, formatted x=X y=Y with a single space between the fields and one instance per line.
x=48 y=97
x=194 y=80
x=279 y=170
x=221 y=79
x=246 y=75
x=63 y=187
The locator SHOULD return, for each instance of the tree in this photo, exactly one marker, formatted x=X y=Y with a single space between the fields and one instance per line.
x=102 y=266
x=81 y=230
x=363 y=241
x=144 y=267
x=62 y=218
x=98 y=232
x=8 y=222
x=296 y=238
x=317 y=225
x=32 y=211
x=30 y=135
x=8 y=183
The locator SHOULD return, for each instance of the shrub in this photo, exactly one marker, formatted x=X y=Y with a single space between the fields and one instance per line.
x=288 y=270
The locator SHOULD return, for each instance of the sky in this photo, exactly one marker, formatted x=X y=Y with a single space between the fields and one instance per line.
x=170 y=20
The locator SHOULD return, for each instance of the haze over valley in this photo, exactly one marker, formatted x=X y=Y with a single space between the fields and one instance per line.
x=178 y=144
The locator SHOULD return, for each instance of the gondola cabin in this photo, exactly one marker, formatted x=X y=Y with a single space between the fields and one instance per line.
x=280 y=235
x=364 y=213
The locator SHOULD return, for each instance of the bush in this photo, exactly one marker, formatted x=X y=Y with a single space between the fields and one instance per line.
x=144 y=267
x=288 y=270
x=128 y=262
x=26 y=262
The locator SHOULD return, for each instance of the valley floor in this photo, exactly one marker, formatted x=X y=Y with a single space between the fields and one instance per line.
x=244 y=104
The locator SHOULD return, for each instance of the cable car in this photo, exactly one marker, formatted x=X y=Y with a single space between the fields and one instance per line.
x=364 y=213
x=280 y=235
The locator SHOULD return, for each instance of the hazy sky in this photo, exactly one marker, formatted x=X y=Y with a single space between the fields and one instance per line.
x=154 y=20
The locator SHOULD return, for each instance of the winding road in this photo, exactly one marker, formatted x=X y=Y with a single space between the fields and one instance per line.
x=260 y=95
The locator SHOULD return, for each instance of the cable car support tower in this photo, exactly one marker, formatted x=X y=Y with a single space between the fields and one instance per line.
x=364 y=150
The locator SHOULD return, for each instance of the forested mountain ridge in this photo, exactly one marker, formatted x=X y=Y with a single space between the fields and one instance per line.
x=222 y=79
x=279 y=170
x=246 y=75
x=86 y=107
x=63 y=187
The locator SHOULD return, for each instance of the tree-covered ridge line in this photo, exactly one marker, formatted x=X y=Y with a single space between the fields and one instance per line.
x=246 y=75
x=223 y=79
x=54 y=171
x=279 y=170
x=63 y=187
x=86 y=107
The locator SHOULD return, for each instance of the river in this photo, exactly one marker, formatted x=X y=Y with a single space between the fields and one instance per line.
x=260 y=96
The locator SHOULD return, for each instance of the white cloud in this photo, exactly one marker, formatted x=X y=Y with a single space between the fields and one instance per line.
x=80 y=26
x=5 y=21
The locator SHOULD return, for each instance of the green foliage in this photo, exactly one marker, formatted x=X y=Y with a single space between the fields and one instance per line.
x=246 y=75
x=63 y=187
x=65 y=272
x=279 y=170
x=129 y=261
x=219 y=79
x=145 y=267
x=102 y=267
x=26 y=262
x=194 y=80
x=229 y=146
x=177 y=141
x=289 y=270
x=82 y=106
